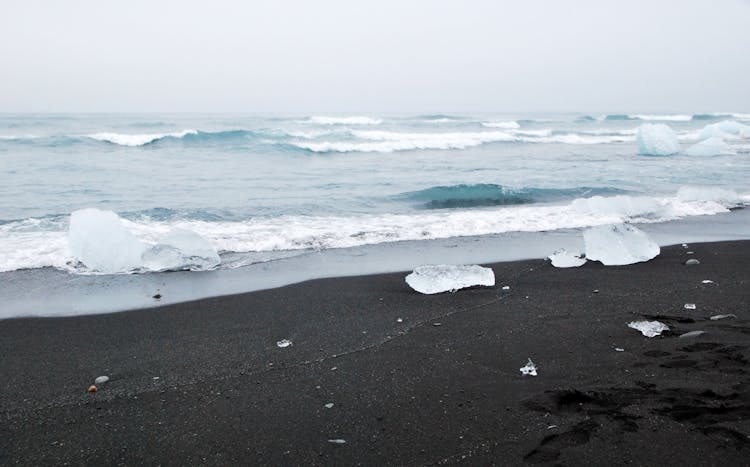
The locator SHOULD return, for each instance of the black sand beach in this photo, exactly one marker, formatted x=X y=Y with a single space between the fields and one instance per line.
x=413 y=379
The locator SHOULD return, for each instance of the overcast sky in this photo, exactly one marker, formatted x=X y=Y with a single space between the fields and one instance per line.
x=375 y=56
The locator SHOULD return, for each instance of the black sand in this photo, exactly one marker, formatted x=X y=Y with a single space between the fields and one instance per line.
x=441 y=387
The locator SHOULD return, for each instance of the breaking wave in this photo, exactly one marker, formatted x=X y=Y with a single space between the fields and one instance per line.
x=36 y=243
x=354 y=120
x=488 y=194
x=132 y=140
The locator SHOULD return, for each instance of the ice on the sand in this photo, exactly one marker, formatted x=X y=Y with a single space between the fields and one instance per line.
x=99 y=240
x=690 y=306
x=657 y=139
x=337 y=441
x=619 y=244
x=563 y=259
x=439 y=278
x=713 y=146
x=718 y=317
x=649 y=328
x=528 y=369
x=724 y=128
x=283 y=343
x=692 y=334
x=181 y=249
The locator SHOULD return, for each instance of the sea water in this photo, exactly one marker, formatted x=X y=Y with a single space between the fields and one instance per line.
x=263 y=189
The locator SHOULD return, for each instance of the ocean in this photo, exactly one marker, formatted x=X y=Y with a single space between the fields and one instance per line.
x=266 y=189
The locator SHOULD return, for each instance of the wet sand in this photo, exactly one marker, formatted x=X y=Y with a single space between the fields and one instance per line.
x=413 y=379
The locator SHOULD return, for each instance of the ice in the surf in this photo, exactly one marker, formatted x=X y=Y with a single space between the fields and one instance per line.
x=619 y=244
x=564 y=259
x=725 y=128
x=99 y=240
x=432 y=279
x=181 y=249
x=713 y=146
x=657 y=139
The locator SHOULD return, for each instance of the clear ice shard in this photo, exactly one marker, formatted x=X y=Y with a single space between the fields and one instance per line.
x=619 y=244
x=100 y=241
x=439 y=278
x=181 y=249
x=528 y=369
x=563 y=259
x=657 y=140
x=649 y=328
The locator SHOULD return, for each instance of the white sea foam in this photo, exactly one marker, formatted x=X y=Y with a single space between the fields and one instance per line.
x=663 y=118
x=507 y=125
x=391 y=141
x=32 y=244
x=353 y=120
x=124 y=139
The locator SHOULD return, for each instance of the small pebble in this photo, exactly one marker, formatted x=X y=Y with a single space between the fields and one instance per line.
x=692 y=261
x=92 y=388
x=156 y=296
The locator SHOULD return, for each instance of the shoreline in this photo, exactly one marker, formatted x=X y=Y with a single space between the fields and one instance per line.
x=205 y=382
x=34 y=292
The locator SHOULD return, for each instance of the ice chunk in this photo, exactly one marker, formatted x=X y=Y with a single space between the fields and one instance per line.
x=712 y=146
x=649 y=328
x=337 y=441
x=438 y=278
x=724 y=128
x=101 y=379
x=692 y=334
x=181 y=249
x=619 y=244
x=690 y=306
x=529 y=369
x=329 y=405
x=692 y=262
x=283 y=343
x=657 y=140
x=718 y=317
x=562 y=259
x=99 y=240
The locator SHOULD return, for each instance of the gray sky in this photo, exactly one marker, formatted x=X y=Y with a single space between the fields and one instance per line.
x=375 y=56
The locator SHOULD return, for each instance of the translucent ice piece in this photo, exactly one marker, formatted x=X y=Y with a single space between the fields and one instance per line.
x=447 y=278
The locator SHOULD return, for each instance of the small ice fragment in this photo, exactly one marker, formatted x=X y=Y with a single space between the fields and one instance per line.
x=718 y=317
x=334 y=368
x=155 y=378
x=618 y=349
x=437 y=324
x=689 y=253
x=337 y=441
x=596 y=290
x=684 y=245
x=439 y=278
x=692 y=334
x=529 y=369
x=283 y=343
x=562 y=259
x=649 y=328
x=506 y=287
x=619 y=244
x=551 y=427
x=692 y=261
x=690 y=306
x=707 y=281
x=399 y=320
x=328 y=405
x=657 y=139
x=101 y=379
